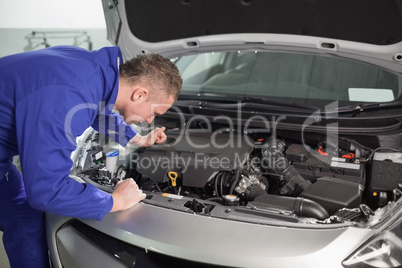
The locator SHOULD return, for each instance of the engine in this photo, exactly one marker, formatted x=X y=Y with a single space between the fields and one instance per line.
x=320 y=181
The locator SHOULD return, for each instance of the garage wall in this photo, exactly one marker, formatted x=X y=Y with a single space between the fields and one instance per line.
x=20 y=40
x=62 y=14
x=69 y=22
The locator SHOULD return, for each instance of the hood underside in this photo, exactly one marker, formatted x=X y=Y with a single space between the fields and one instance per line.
x=368 y=21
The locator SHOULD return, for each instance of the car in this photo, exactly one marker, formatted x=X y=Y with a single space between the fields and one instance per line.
x=283 y=149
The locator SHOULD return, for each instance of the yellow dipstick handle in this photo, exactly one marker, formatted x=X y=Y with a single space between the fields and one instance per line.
x=173 y=176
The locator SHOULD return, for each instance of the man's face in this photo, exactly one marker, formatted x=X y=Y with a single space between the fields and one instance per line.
x=145 y=108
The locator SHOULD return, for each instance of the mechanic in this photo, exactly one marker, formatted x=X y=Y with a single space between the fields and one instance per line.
x=48 y=98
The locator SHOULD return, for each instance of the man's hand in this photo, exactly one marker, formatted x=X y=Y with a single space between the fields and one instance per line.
x=155 y=136
x=126 y=194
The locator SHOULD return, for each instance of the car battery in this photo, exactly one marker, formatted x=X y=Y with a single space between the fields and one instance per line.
x=312 y=165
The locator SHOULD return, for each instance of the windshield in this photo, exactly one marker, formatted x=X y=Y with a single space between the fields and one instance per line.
x=302 y=78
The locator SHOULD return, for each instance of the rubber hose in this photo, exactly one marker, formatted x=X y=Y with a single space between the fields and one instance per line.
x=273 y=157
x=300 y=206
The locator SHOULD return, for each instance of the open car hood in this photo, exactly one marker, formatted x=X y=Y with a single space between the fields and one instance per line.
x=368 y=28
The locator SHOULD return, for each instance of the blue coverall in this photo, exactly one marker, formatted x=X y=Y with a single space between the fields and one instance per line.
x=49 y=97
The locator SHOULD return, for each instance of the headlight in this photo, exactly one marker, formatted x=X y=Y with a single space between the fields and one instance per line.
x=384 y=250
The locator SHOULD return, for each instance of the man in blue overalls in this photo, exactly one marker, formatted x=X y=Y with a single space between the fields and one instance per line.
x=48 y=98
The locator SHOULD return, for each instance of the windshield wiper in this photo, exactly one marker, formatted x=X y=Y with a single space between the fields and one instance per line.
x=272 y=102
x=363 y=107
x=255 y=104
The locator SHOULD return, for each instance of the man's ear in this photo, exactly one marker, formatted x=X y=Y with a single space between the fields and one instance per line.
x=139 y=93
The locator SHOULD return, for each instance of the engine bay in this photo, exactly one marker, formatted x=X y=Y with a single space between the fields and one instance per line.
x=254 y=177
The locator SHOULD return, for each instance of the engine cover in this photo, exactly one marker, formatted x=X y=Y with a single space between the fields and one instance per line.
x=194 y=157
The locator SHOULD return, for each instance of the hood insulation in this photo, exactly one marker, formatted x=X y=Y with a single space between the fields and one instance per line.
x=369 y=21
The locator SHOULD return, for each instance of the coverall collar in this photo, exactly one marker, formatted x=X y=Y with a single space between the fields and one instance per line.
x=110 y=74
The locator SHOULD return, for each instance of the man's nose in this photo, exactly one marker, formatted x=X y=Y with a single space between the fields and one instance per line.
x=150 y=119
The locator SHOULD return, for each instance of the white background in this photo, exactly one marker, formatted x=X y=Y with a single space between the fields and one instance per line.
x=61 y=14
x=20 y=18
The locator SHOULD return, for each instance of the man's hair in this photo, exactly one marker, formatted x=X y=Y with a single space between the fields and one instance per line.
x=153 y=71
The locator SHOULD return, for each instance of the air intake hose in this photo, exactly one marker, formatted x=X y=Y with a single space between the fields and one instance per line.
x=274 y=159
x=300 y=206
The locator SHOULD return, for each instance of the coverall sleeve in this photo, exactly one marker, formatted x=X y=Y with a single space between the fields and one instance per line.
x=47 y=122
x=114 y=126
